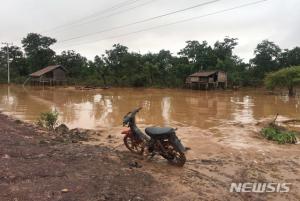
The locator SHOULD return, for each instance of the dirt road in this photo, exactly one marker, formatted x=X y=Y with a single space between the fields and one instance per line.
x=34 y=167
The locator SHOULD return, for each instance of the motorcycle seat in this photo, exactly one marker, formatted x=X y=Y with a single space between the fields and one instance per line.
x=158 y=132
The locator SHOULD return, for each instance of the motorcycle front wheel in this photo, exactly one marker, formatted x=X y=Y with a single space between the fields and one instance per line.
x=133 y=145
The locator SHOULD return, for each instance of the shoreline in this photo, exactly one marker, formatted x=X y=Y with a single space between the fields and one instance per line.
x=80 y=87
x=145 y=87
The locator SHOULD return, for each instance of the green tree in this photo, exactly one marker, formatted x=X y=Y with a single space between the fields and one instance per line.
x=225 y=48
x=164 y=61
x=266 y=58
x=287 y=77
x=18 y=61
x=152 y=72
x=290 y=57
x=113 y=60
x=101 y=68
x=18 y=65
x=132 y=70
x=38 y=52
x=74 y=63
x=3 y=66
x=226 y=61
x=201 y=55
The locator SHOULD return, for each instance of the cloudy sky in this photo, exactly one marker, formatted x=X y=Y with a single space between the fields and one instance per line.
x=91 y=26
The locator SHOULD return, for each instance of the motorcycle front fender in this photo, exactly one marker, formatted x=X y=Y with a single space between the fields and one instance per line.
x=127 y=132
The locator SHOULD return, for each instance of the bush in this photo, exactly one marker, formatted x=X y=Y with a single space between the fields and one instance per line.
x=284 y=78
x=279 y=135
x=48 y=120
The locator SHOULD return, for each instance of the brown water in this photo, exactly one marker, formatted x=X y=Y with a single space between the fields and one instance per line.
x=177 y=108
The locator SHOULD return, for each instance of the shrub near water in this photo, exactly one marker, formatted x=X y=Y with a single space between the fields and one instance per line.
x=279 y=135
x=48 y=120
x=285 y=78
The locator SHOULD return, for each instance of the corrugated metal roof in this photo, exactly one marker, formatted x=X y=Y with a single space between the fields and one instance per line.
x=203 y=74
x=46 y=70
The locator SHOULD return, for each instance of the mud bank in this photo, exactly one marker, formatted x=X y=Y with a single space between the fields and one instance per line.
x=35 y=166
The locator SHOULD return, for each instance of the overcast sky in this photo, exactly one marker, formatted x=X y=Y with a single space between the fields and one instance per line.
x=275 y=20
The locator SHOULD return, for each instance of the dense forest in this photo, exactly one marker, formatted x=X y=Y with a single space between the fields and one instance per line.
x=119 y=67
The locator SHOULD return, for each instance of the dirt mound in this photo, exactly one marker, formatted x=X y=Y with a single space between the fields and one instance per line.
x=31 y=170
x=64 y=134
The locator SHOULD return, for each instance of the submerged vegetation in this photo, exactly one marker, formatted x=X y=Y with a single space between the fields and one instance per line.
x=48 y=120
x=285 y=78
x=278 y=134
x=120 y=67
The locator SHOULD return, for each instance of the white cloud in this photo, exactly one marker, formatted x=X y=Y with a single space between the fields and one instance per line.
x=275 y=20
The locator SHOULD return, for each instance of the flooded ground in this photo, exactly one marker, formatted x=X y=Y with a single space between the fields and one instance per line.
x=196 y=113
x=180 y=108
x=229 y=116
x=221 y=128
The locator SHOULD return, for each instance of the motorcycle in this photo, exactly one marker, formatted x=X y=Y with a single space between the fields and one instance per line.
x=161 y=141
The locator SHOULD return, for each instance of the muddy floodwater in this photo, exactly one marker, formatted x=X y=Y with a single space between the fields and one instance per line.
x=179 y=108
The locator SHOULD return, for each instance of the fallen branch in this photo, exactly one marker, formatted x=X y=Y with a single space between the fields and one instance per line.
x=291 y=121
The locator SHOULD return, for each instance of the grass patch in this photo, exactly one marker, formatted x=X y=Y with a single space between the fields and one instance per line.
x=280 y=135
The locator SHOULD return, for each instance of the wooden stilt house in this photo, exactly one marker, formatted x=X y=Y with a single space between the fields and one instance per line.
x=51 y=75
x=207 y=79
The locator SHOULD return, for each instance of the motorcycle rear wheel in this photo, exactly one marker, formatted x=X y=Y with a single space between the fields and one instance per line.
x=179 y=159
x=176 y=158
x=133 y=145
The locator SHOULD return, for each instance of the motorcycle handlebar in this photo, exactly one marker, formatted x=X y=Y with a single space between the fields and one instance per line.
x=130 y=115
x=137 y=110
